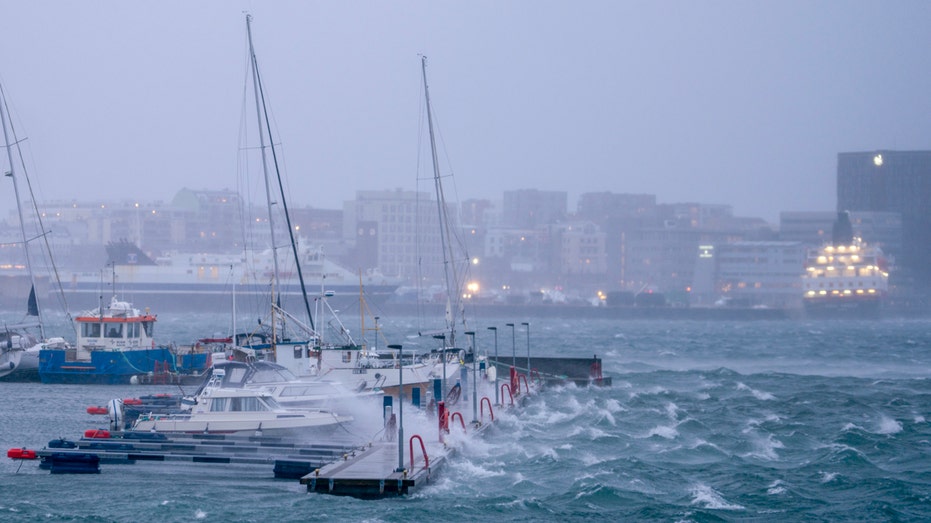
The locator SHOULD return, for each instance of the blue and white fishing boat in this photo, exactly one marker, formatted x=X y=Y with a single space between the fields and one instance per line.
x=115 y=345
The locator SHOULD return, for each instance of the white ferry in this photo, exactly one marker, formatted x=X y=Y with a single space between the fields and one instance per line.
x=847 y=278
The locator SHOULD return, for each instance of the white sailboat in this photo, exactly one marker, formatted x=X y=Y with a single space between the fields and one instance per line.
x=300 y=345
x=21 y=342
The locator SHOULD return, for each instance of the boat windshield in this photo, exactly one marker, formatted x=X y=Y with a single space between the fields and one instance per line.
x=273 y=375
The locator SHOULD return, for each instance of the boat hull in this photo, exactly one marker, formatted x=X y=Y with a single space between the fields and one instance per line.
x=292 y=424
x=118 y=367
x=844 y=308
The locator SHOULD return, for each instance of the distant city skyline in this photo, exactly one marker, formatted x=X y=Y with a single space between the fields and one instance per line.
x=742 y=104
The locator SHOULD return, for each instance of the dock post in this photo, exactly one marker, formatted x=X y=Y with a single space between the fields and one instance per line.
x=471 y=335
x=527 y=324
x=495 y=329
x=400 y=407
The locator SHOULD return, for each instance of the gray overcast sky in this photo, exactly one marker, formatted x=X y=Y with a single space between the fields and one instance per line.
x=740 y=103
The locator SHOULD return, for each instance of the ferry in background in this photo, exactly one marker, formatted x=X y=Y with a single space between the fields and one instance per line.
x=847 y=278
x=192 y=281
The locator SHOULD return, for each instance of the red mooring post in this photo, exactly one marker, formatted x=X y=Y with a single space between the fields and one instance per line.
x=442 y=416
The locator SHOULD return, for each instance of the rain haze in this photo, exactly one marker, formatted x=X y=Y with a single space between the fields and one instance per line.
x=738 y=103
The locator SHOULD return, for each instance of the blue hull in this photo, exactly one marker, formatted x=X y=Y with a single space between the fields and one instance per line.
x=116 y=367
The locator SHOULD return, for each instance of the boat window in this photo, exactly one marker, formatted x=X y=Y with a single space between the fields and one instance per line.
x=235 y=376
x=132 y=330
x=90 y=330
x=148 y=326
x=219 y=404
x=298 y=352
x=247 y=404
x=347 y=356
x=115 y=330
x=293 y=391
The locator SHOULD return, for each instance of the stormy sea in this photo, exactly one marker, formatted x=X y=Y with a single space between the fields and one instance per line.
x=704 y=421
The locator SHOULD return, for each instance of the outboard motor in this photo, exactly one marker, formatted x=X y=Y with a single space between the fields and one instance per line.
x=115 y=413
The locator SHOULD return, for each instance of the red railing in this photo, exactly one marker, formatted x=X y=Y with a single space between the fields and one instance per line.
x=423 y=450
x=482 y=408
x=461 y=420
x=506 y=387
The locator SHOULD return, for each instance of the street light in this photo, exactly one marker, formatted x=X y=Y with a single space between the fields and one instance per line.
x=526 y=324
x=471 y=335
x=400 y=408
x=443 y=347
x=513 y=346
x=495 y=384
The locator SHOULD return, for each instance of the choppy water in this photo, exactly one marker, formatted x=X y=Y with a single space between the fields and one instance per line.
x=761 y=421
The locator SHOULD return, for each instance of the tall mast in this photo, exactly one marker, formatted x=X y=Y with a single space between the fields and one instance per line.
x=449 y=269
x=19 y=208
x=261 y=110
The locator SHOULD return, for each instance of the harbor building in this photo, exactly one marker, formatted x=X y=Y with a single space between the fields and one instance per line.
x=897 y=182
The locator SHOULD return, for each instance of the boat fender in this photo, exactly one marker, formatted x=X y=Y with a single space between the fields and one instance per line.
x=115 y=413
x=22 y=453
x=97 y=433
x=96 y=409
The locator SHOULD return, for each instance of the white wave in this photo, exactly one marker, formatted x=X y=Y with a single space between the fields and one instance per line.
x=702 y=396
x=776 y=488
x=672 y=410
x=919 y=419
x=613 y=405
x=766 y=448
x=590 y=459
x=200 y=514
x=663 y=432
x=473 y=471
x=888 y=425
x=827 y=477
x=760 y=395
x=709 y=498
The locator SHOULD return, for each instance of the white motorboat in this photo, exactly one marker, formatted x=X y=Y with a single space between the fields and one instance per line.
x=239 y=411
x=286 y=388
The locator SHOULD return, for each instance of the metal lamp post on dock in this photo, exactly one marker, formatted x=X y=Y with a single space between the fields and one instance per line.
x=471 y=335
x=495 y=384
x=526 y=324
x=400 y=407
x=513 y=345
x=442 y=337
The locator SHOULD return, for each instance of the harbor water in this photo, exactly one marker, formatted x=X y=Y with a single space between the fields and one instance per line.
x=705 y=421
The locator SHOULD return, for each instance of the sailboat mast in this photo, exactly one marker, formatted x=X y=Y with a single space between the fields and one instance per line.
x=258 y=113
x=262 y=111
x=449 y=269
x=19 y=207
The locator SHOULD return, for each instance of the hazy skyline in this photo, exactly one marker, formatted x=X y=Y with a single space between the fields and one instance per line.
x=738 y=103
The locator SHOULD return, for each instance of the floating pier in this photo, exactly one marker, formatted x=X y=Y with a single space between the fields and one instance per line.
x=289 y=459
x=376 y=473
x=390 y=467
